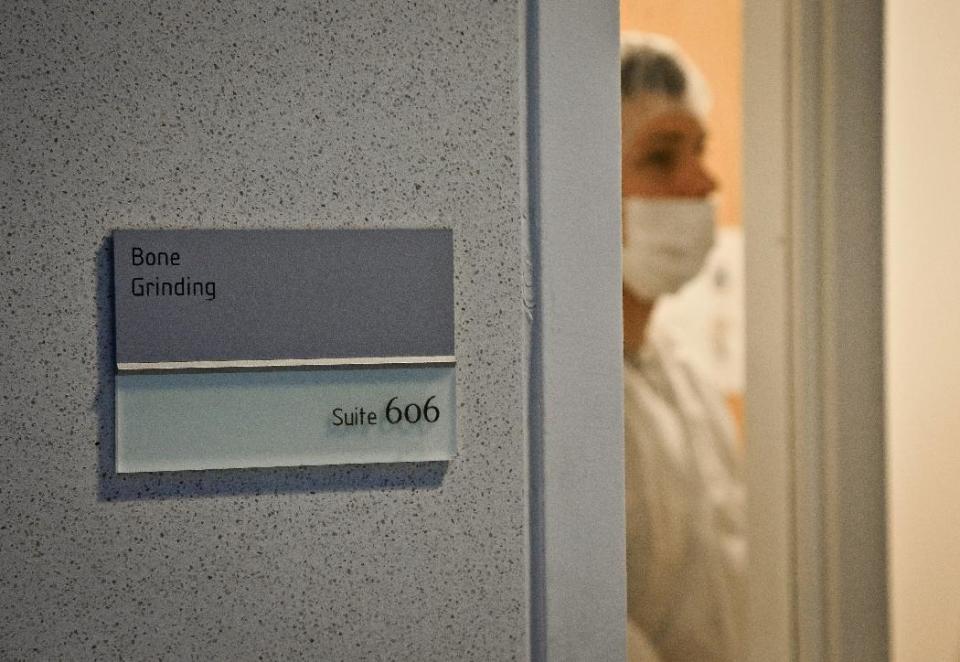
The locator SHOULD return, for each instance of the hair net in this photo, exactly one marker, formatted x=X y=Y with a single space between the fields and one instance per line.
x=655 y=70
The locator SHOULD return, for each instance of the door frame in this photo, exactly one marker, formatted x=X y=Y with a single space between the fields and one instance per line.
x=577 y=537
x=813 y=225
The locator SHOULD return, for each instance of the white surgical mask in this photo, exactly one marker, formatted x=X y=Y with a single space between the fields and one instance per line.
x=667 y=241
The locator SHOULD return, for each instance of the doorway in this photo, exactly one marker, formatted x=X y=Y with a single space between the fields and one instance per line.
x=813 y=374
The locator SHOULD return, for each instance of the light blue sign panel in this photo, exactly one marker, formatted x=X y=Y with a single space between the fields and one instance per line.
x=224 y=419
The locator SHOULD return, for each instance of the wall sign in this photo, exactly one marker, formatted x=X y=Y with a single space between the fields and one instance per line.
x=255 y=348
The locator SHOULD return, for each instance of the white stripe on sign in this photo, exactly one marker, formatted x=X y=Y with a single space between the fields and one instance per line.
x=284 y=363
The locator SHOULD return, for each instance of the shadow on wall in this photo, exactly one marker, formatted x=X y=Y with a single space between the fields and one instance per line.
x=220 y=482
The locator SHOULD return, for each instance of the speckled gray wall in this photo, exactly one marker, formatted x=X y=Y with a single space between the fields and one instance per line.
x=216 y=115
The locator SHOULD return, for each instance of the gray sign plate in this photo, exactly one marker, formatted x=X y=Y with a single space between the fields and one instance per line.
x=256 y=348
x=228 y=295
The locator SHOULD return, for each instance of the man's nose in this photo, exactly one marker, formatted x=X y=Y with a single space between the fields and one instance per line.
x=700 y=182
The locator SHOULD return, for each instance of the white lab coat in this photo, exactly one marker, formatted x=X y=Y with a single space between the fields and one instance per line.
x=685 y=500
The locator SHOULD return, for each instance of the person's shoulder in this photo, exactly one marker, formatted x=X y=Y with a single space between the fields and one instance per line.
x=675 y=357
x=661 y=348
